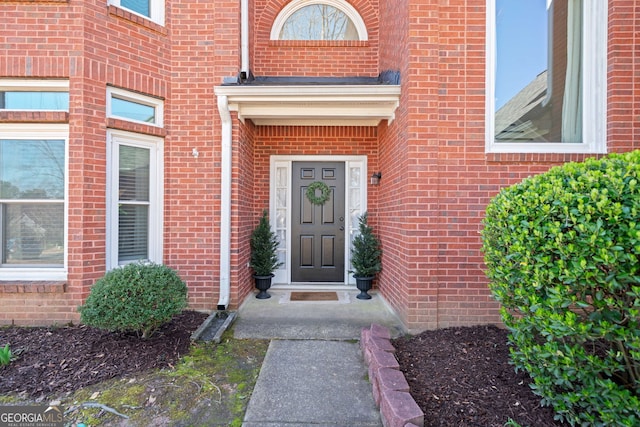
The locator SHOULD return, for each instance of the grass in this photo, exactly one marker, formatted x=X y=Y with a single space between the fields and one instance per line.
x=209 y=386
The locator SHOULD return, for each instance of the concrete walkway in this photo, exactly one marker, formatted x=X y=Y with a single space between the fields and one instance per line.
x=313 y=373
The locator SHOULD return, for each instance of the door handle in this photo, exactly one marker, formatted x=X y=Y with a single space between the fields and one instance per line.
x=342 y=228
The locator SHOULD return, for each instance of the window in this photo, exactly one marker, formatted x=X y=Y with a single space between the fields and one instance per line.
x=134 y=107
x=318 y=20
x=546 y=71
x=142 y=7
x=32 y=201
x=150 y=9
x=26 y=94
x=134 y=191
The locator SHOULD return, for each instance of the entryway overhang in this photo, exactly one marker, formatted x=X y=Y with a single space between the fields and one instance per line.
x=313 y=105
x=273 y=101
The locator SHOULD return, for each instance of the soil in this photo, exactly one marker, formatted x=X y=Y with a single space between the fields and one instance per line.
x=463 y=377
x=458 y=376
x=55 y=360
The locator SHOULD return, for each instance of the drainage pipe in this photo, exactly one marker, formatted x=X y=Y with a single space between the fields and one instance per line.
x=225 y=203
x=244 y=38
x=226 y=165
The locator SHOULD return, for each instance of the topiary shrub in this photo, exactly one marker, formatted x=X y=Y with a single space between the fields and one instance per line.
x=562 y=253
x=264 y=248
x=139 y=297
x=366 y=253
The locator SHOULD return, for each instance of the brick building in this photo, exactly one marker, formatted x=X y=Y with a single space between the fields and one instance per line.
x=161 y=130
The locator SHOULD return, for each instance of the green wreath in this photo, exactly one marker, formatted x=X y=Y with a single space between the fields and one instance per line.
x=311 y=193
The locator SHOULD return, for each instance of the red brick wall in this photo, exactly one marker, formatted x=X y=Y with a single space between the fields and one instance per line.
x=41 y=51
x=623 y=88
x=92 y=46
x=192 y=185
x=446 y=178
x=313 y=58
x=464 y=181
x=394 y=226
x=257 y=145
x=436 y=177
x=122 y=50
x=249 y=207
x=310 y=140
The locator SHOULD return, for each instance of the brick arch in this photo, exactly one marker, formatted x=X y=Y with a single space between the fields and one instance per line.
x=272 y=8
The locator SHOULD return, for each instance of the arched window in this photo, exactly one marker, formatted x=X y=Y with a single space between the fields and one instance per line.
x=318 y=20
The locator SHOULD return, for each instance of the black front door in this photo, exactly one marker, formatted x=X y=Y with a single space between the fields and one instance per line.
x=317 y=229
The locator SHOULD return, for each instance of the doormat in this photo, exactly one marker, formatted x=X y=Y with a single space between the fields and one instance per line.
x=314 y=296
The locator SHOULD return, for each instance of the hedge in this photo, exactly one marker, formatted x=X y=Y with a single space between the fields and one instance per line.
x=139 y=297
x=562 y=253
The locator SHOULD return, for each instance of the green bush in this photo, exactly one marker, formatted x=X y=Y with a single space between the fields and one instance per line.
x=5 y=355
x=562 y=254
x=366 y=253
x=138 y=297
x=264 y=248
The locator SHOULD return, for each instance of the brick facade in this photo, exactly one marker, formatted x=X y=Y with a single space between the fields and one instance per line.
x=436 y=175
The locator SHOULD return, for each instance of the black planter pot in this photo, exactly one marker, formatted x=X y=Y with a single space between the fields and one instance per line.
x=262 y=284
x=364 y=285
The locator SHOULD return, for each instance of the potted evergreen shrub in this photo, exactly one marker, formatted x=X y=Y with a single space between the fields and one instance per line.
x=365 y=258
x=264 y=258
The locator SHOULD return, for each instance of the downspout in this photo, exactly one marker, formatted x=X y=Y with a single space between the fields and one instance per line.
x=226 y=165
x=244 y=39
x=225 y=203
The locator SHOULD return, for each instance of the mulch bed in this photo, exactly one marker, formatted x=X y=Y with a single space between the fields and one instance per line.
x=462 y=377
x=57 y=360
x=458 y=376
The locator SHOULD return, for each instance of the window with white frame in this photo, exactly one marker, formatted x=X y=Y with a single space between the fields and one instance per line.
x=33 y=170
x=546 y=76
x=134 y=107
x=134 y=198
x=150 y=9
x=34 y=94
x=318 y=20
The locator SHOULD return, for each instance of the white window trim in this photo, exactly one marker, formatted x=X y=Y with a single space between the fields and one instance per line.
x=137 y=98
x=33 y=85
x=341 y=5
x=41 y=131
x=594 y=87
x=283 y=274
x=156 y=10
x=115 y=138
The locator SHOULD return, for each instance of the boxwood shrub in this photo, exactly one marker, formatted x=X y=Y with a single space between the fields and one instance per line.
x=139 y=297
x=562 y=253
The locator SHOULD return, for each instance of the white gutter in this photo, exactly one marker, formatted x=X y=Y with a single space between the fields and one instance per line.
x=225 y=203
x=244 y=37
x=226 y=165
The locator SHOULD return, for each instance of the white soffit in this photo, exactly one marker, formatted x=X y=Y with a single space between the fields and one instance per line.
x=315 y=105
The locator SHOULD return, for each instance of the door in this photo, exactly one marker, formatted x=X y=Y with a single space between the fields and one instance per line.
x=317 y=229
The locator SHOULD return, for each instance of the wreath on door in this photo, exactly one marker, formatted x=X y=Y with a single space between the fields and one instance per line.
x=325 y=193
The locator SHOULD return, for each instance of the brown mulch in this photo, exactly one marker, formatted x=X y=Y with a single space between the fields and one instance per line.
x=57 y=360
x=458 y=376
x=462 y=377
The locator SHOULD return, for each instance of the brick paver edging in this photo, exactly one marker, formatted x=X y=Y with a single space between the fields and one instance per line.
x=390 y=388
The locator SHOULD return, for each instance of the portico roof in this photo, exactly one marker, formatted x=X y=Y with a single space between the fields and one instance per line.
x=352 y=102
